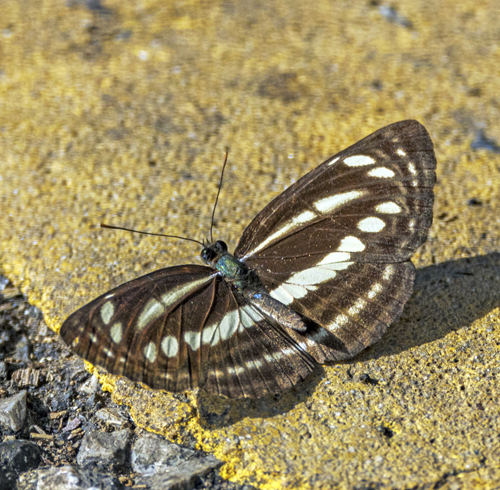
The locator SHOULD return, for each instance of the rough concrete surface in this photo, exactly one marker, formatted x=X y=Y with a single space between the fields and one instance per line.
x=121 y=111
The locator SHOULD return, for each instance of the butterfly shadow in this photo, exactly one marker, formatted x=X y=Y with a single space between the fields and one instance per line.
x=446 y=298
x=217 y=412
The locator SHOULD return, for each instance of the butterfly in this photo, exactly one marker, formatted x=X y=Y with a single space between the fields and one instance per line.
x=317 y=276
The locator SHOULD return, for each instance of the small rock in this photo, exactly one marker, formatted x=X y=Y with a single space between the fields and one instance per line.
x=152 y=454
x=68 y=478
x=13 y=411
x=104 y=449
x=22 y=351
x=182 y=477
x=72 y=424
x=10 y=293
x=483 y=142
x=165 y=465
x=90 y=386
x=17 y=457
x=112 y=417
x=3 y=283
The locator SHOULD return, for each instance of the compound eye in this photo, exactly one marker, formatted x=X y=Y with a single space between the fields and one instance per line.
x=207 y=254
x=221 y=245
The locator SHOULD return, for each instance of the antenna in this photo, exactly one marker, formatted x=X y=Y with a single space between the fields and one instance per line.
x=217 y=198
x=153 y=234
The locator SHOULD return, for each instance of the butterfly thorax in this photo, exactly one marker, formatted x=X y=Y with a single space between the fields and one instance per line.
x=249 y=286
x=233 y=270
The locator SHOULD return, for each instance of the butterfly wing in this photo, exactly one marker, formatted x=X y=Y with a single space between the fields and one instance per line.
x=146 y=329
x=183 y=327
x=256 y=357
x=335 y=246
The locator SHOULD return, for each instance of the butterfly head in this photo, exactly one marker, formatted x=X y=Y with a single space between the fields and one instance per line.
x=213 y=252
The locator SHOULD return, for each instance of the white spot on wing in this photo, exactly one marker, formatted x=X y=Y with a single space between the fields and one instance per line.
x=272 y=358
x=153 y=310
x=170 y=346
x=107 y=312
x=249 y=317
x=282 y=295
x=381 y=172
x=150 y=352
x=320 y=335
x=255 y=364
x=371 y=225
x=108 y=352
x=401 y=152
x=288 y=351
x=328 y=204
x=388 y=272
x=312 y=276
x=333 y=161
x=356 y=307
x=208 y=333
x=292 y=224
x=193 y=340
x=287 y=292
x=351 y=244
x=236 y=370
x=245 y=319
x=216 y=337
x=229 y=324
x=358 y=161
x=252 y=313
x=388 y=207
x=335 y=257
x=116 y=332
x=412 y=168
x=174 y=295
x=341 y=266
x=375 y=289
x=339 y=321
x=297 y=291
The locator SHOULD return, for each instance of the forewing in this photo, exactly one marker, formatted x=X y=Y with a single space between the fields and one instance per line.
x=373 y=200
x=149 y=329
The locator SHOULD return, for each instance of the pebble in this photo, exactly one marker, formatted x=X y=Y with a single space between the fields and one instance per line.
x=13 y=411
x=103 y=449
x=68 y=478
